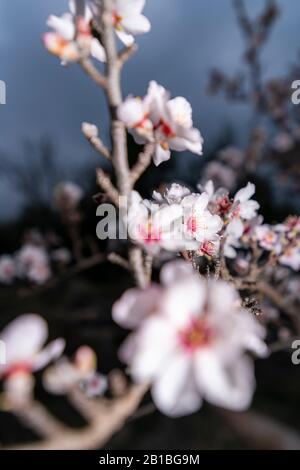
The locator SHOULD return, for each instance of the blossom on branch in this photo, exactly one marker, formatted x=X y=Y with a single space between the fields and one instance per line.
x=24 y=339
x=127 y=18
x=72 y=38
x=166 y=122
x=191 y=343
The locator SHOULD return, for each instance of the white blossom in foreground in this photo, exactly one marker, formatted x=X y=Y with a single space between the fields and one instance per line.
x=291 y=257
x=24 y=339
x=71 y=38
x=167 y=122
x=127 y=18
x=33 y=264
x=192 y=343
x=7 y=269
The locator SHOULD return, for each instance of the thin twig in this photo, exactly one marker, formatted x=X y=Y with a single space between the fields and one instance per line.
x=144 y=160
x=105 y=183
x=89 y=68
x=90 y=132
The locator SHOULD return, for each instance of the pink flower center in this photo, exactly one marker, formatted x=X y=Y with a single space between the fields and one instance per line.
x=149 y=233
x=224 y=204
x=20 y=367
x=192 y=224
x=207 y=248
x=197 y=335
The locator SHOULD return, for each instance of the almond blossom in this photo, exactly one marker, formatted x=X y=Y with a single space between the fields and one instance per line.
x=72 y=38
x=127 y=18
x=268 y=238
x=7 y=269
x=67 y=196
x=192 y=344
x=167 y=122
x=156 y=226
x=243 y=206
x=199 y=223
x=65 y=374
x=24 y=339
x=33 y=264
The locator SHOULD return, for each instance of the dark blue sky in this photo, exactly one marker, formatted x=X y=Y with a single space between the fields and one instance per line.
x=188 y=37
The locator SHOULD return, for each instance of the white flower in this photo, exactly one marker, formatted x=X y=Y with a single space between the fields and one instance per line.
x=156 y=226
x=291 y=257
x=24 y=339
x=67 y=196
x=7 y=269
x=33 y=264
x=173 y=194
x=199 y=223
x=158 y=119
x=193 y=345
x=267 y=238
x=72 y=37
x=233 y=234
x=127 y=18
x=243 y=206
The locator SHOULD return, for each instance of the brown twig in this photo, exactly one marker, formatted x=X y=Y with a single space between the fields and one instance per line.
x=105 y=183
x=90 y=132
x=107 y=418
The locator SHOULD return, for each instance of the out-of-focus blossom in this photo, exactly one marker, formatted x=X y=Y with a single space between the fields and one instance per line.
x=221 y=175
x=291 y=257
x=127 y=18
x=232 y=156
x=24 y=339
x=192 y=345
x=167 y=122
x=64 y=375
x=61 y=256
x=268 y=238
x=33 y=264
x=283 y=142
x=72 y=38
x=7 y=269
x=67 y=196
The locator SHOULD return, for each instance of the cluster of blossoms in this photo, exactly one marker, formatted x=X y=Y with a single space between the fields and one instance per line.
x=24 y=355
x=163 y=121
x=30 y=263
x=190 y=338
x=177 y=221
x=282 y=240
x=73 y=37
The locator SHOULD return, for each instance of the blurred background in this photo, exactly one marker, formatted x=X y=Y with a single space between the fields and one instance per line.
x=42 y=145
